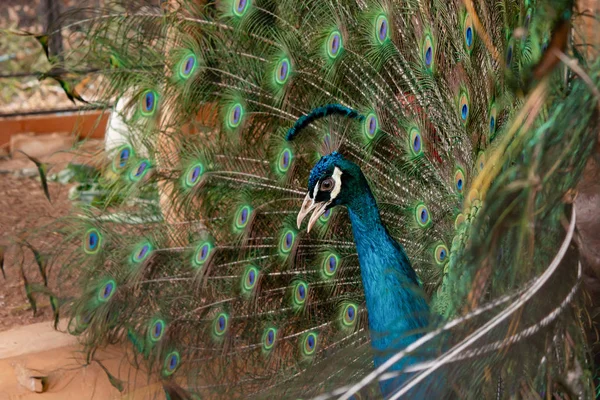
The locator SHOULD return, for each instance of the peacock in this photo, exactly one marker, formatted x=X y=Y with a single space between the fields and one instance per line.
x=332 y=198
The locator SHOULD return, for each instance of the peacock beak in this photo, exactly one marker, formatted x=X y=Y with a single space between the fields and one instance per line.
x=309 y=205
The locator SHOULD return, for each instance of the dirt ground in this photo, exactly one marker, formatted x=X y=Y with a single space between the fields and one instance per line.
x=29 y=346
x=24 y=207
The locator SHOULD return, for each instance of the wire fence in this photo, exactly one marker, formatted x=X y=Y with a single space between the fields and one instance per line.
x=23 y=87
x=22 y=61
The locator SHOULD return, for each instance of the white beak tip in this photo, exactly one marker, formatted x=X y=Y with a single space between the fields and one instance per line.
x=307 y=206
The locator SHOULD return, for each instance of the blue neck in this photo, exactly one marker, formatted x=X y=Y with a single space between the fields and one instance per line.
x=397 y=310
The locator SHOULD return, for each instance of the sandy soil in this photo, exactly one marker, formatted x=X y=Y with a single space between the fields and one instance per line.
x=25 y=208
x=38 y=350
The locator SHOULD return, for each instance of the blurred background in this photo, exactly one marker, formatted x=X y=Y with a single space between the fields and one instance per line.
x=21 y=58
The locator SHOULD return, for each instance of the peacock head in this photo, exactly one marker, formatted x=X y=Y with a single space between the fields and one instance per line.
x=333 y=181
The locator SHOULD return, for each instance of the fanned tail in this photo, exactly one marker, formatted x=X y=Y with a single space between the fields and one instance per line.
x=458 y=117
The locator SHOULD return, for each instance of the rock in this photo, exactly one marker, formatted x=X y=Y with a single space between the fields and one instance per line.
x=37 y=382
x=30 y=379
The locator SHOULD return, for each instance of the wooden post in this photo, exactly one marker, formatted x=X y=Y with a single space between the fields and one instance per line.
x=590 y=26
x=52 y=15
x=588 y=191
x=167 y=156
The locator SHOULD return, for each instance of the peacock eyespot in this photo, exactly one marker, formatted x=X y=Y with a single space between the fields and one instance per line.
x=140 y=170
x=250 y=278
x=469 y=33
x=240 y=7
x=481 y=161
x=309 y=343
x=171 y=363
x=428 y=51
x=122 y=158
x=220 y=325
x=269 y=338
x=441 y=253
x=92 y=241
x=459 y=180
x=84 y=321
x=202 y=254
x=463 y=105
x=235 y=115
x=334 y=44
x=284 y=160
x=287 y=241
x=300 y=293
x=349 y=314
x=148 y=104
x=469 y=36
x=107 y=291
x=325 y=216
x=193 y=174
x=242 y=217
x=141 y=253
x=188 y=66
x=415 y=142
x=493 y=117
x=422 y=215
x=382 y=29
x=157 y=330
x=460 y=218
x=371 y=126
x=330 y=265
x=282 y=71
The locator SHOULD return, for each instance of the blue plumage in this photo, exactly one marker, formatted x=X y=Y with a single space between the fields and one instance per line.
x=398 y=312
x=438 y=143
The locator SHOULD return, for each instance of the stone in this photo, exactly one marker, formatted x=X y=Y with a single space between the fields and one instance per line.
x=31 y=380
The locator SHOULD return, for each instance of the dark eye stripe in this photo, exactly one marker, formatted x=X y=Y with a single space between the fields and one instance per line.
x=322 y=196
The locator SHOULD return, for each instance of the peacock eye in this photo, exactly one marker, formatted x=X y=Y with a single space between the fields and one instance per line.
x=327 y=185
